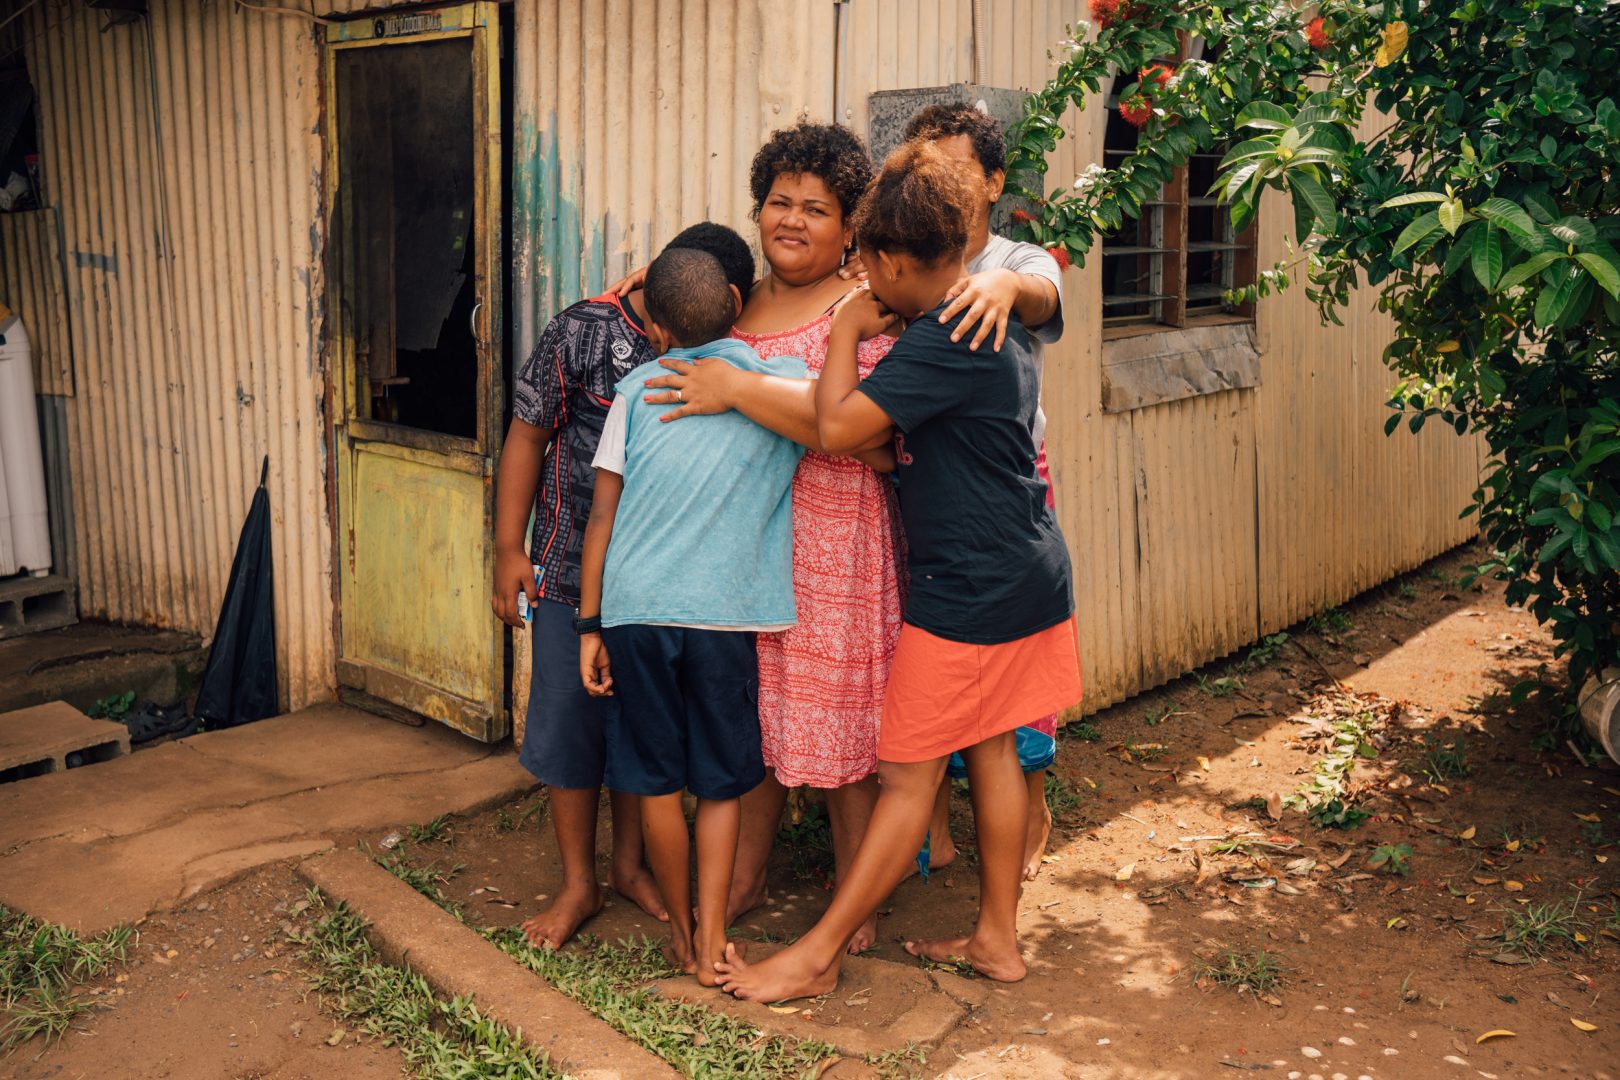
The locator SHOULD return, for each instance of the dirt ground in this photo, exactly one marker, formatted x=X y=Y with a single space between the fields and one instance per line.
x=1167 y=857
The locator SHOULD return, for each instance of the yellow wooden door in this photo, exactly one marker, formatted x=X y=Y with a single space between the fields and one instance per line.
x=413 y=184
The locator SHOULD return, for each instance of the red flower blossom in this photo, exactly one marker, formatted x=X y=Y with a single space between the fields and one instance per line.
x=1061 y=255
x=1023 y=217
x=1158 y=74
x=1316 y=34
x=1136 y=109
x=1105 y=13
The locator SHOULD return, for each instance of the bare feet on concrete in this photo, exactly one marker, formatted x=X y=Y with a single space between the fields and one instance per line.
x=784 y=976
x=552 y=928
x=1001 y=962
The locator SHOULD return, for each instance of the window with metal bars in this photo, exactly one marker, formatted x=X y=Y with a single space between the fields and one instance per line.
x=1170 y=266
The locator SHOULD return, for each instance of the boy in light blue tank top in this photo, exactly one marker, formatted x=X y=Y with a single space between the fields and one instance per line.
x=688 y=554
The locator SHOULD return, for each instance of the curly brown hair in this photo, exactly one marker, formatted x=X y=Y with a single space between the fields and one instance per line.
x=919 y=205
x=982 y=129
x=831 y=153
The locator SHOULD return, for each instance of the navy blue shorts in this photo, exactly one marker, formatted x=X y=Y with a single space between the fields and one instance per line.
x=565 y=738
x=684 y=711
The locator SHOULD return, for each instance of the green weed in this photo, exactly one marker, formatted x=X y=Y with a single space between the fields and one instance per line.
x=1444 y=761
x=437 y=829
x=1331 y=623
x=905 y=1063
x=1407 y=591
x=1155 y=717
x=1534 y=929
x=40 y=964
x=438 y=1038
x=1225 y=686
x=1270 y=647
x=424 y=879
x=1392 y=857
x=113 y=707
x=1083 y=730
x=1257 y=971
x=1062 y=798
x=808 y=843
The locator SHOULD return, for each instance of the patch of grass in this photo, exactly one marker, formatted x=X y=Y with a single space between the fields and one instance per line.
x=424 y=879
x=1256 y=971
x=956 y=965
x=503 y=821
x=1406 y=591
x=905 y=1063
x=40 y=964
x=1083 y=730
x=1521 y=835
x=1062 y=798
x=611 y=981
x=1145 y=751
x=1392 y=857
x=1270 y=647
x=1444 y=761
x=1331 y=623
x=808 y=842
x=437 y=829
x=1535 y=929
x=1155 y=717
x=1225 y=686
x=437 y=1038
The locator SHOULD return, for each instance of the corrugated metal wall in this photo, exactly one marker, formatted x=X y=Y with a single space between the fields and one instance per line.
x=183 y=155
x=35 y=288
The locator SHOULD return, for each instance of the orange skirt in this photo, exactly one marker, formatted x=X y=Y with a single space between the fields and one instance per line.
x=944 y=695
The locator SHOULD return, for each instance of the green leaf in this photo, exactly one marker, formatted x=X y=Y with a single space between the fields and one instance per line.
x=1421 y=227
x=1412 y=198
x=1452 y=215
x=1320 y=202
x=1507 y=215
x=1607 y=276
x=1541 y=206
x=1264 y=146
x=1486 y=255
x=1554 y=298
x=1528 y=269
x=1304 y=215
x=1575 y=230
x=1263 y=115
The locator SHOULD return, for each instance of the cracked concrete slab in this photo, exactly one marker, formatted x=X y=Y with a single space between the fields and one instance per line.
x=112 y=843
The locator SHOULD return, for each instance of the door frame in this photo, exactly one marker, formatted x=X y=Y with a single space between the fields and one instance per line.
x=490 y=720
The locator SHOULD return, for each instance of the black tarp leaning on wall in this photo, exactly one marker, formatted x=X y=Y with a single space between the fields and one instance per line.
x=239 y=683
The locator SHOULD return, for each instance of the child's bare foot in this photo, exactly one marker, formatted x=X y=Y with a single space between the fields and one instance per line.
x=557 y=923
x=1003 y=964
x=711 y=950
x=638 y=887
x=1040 y=830
x=783 y=976
x=676 y=957
x=865 y=937
x=942 y=853
x=745 y=897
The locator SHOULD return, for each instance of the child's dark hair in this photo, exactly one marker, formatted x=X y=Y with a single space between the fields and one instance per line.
x=688 y=295
x=919 y=205
x=724 y=244
x=958 y=118
x=831 y=153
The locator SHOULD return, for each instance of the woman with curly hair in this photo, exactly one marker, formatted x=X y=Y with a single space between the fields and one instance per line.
x=821 y=683
x=989 y=638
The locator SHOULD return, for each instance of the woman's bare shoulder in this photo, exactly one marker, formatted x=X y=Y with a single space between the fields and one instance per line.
x=772 y=310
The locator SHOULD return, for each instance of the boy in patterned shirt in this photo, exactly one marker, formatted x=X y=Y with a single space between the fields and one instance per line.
x=560 y=402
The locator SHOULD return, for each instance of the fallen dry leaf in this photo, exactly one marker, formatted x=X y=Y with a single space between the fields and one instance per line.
x=1612 y=791
x=1124 y=872
x=1593 y=818
x=1466 y=834
x=1479 y=880
x=783 y=1009
x=1511 y=845
x=1498 y=1033
x=1203 y=763
x=1274 y=806
x=1582 y=1024
x=1513 y=886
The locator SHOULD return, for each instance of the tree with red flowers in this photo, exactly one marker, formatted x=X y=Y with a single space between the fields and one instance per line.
x=1485 y=211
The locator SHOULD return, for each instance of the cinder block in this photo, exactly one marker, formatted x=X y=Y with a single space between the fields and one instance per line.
x=53 y=737
x=29 y=604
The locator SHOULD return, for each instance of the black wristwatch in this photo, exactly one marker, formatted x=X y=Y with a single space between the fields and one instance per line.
x=592 y=625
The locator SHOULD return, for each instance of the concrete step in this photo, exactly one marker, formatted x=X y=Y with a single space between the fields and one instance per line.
x=54 y=738
x=409 y=929
x=30 y=604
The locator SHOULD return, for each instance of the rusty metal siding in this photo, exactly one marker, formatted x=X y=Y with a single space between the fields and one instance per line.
x=183 y=155
x=33 y=285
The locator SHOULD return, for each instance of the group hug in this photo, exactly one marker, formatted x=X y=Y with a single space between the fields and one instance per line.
x=798 y=531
